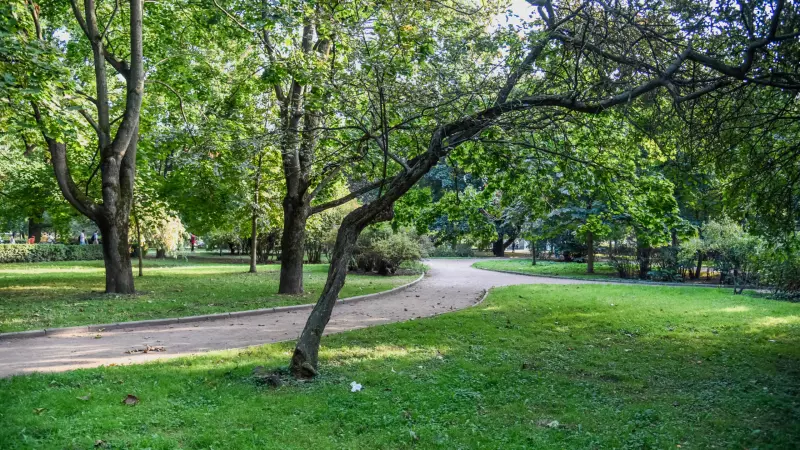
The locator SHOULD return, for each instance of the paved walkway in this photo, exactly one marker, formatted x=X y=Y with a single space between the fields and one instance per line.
x=451 y=284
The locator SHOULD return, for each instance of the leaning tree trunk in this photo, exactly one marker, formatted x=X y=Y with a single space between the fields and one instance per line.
x=306 y=353
x=590 y=252
x=295 y=216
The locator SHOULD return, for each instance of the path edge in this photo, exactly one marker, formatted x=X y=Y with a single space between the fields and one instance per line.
x=188 y=319
x=613 y=281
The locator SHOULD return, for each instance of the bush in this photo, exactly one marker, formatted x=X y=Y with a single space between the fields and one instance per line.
x=780 y=269
x=14 y=253
x=459 y=251
x=381 y=250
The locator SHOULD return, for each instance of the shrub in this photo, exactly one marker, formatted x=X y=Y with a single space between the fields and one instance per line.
x=381 y=250
x=458 y=251
x=395 y=250
x=14 y=253
x=780 y=269
x=735 y=253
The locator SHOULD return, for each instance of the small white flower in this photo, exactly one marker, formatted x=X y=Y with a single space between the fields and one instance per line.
x=355 y=387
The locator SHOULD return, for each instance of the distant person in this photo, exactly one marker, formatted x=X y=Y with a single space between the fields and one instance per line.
x=95 y=241
x=12 y=241
x=31 y=240
x=192 y=240
x=82 y=238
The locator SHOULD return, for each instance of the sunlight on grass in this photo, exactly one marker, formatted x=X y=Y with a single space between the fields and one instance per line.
x=777 y=321
x=663 y=367
x=49 y=295
x=735 y=309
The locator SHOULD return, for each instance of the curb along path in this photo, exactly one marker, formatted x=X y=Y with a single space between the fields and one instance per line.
x=190 y=319
x=450 y=285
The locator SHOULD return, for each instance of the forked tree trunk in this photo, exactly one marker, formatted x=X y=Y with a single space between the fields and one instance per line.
x=590 y=252
x=295 y=216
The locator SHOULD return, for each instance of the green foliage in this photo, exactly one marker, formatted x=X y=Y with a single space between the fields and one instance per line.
x=456 y=251
x=736 y=253
x=383 y=250
x=780 y=268
x=19 y=253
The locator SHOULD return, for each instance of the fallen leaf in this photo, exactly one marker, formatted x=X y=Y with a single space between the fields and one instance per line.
x=130 y=400
x=85 y=398
x=99 y=443
x=97 y=336
x=39 y=410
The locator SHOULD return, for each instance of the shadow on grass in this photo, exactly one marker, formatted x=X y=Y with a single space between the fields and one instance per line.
x=534 y=367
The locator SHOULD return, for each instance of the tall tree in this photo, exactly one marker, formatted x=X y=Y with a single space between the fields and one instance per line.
x=584 y=58
x=51 y=105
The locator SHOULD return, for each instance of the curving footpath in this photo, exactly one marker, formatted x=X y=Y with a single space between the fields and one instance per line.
x=451 y=284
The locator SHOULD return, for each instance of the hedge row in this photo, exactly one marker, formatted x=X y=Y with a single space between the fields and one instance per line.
x=13 y=253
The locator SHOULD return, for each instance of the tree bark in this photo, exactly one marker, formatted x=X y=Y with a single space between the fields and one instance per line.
x=699 y=265
x=533 y=253
x=589 y=252
x=306 y=353
x=254 y=229
x=117 y=258
x=35 y=225
x=139 y=249
x=497 y=247
x=295 y=216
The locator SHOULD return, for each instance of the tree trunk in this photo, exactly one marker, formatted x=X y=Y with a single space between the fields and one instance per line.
x=497 y=247
x=117 y=257
x=699 y=265
x=533 y=253
x=643 y=255
x=254 y=230
x=306 y=353
x=295 y=215
x=139 y=249
x=35 y=225
x=590 y=252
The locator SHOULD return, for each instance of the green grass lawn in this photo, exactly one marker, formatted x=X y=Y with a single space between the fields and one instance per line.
x=35 y=296
x=566 y=269
x=600 y=366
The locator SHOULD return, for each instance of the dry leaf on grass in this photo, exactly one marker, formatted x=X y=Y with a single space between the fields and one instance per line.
x=85 y=398
x=130 y=400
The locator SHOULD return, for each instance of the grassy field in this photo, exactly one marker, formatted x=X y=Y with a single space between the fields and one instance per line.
x=556 y=367
x=566 y=269
x=35 y=296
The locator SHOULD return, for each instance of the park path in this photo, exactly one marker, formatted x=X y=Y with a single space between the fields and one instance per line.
x=451 y=284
